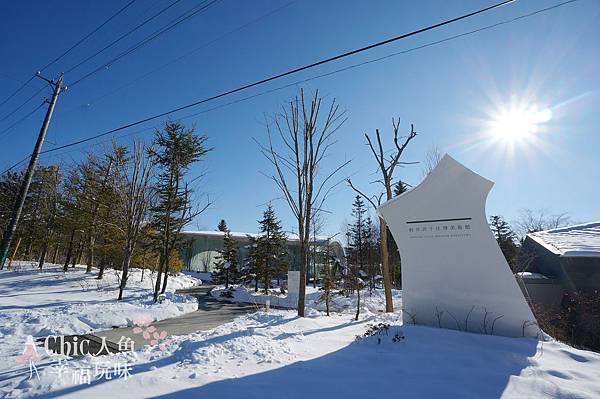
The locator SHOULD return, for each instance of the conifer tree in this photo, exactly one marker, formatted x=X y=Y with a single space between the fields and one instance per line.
x=268 y=254
x=222 y=226
x=356 y=253
x=226 y=267
x=176 y=149
x=506 y=239
x=330 y=276
x=49 y=212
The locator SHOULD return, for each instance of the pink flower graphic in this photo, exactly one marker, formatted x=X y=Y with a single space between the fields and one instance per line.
x=150 y=333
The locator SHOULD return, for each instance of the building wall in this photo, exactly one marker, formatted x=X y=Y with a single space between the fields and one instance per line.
x=583 y=273
x=542 y=291
x=572 y=273
x=202 y=251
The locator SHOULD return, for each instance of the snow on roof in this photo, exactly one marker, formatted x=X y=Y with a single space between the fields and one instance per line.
x=532 y=275
x=242 y=235
x=581 y=240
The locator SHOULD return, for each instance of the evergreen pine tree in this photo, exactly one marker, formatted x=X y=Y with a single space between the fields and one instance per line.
x=356 y=253
x=331 y=276
x=176 y=149
x=506 y=239
x=222 y=226
x=226 y=267
x=372 y=253
x=268 y=254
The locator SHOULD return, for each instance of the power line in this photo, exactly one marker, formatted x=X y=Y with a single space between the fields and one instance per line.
x=290 y=72
x=22 y=119
x=523 y=16
x=66 y=52
x=89 y=34
x=5 y=117
x=123 y=36
x=17 y=91
x=192 y=12
x=187 y=54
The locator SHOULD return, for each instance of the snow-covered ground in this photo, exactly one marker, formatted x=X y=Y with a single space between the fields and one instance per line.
x=40 y=303
x=278 y=355
x=373 y=301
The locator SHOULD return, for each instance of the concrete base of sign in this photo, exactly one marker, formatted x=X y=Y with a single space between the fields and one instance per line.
x=454 y=275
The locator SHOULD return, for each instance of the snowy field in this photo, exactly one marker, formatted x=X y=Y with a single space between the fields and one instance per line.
x=277 y=355
x=274 y=354
x=40 y=303
x=371 y=301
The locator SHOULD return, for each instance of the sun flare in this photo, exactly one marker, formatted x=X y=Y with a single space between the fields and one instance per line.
x=519 y=123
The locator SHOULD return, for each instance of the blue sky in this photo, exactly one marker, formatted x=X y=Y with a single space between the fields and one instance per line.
x=451 y=92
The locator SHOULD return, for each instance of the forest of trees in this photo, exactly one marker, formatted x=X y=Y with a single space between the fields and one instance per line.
x=112 y=209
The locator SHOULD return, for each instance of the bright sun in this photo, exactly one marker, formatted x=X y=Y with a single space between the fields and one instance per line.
x=519 y=123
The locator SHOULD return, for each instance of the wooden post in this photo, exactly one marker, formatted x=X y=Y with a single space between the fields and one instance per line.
x=14 y=253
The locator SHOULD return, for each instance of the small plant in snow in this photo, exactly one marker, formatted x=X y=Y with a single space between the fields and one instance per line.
x=380 y=330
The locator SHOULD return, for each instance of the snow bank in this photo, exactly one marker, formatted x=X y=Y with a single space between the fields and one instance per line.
x=371 y=301
x=40 y=303
x=277 y=354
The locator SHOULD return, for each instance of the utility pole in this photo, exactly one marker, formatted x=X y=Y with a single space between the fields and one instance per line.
x=16 y=214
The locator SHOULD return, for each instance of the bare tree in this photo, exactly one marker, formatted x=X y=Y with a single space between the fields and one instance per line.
x=386 y=166
x=530 y=221
x=432 y=158
x=317 y=227
x=134 y=196
x=207 y=260
x=306 y=139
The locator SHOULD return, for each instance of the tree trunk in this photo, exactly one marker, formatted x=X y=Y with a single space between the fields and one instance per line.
x=165 y=278
x=125 y=272
x=55 y=254
x=77 y=258
x=43 y=255
x=101 y=269
x=158 y=278
x=357 y=301
x=302 y=288
x=28 y=247
x=387 y=286
x=90 y=253
x=267 y=284
x=69 y=251
x=267 y=273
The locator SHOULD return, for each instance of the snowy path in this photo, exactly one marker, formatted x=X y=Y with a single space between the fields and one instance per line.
x=211 y=313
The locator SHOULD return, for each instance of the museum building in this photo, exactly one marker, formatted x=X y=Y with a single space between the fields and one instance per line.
x=561 y=261
x=201 y=251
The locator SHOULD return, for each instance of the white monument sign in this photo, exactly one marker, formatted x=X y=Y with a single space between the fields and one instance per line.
x=453 y=272
x=293 y=284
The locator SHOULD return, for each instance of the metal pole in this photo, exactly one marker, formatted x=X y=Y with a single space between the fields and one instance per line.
x=12 y=227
